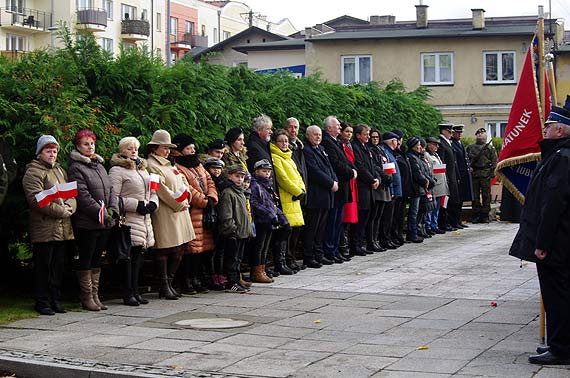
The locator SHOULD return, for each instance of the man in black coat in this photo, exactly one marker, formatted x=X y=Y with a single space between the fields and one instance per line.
x=465 y=180
x=451 y=173
x=258 y=143
x=323 y=183
x=544 y=234
x=345 y=171
x=399 y=204
x=367 y=181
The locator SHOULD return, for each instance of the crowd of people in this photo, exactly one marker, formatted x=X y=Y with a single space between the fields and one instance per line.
x=343 y=191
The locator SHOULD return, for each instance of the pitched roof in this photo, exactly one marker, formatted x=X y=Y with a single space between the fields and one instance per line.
x=288 y=44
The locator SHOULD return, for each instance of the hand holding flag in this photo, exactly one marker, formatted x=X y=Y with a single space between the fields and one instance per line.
x=154 y=182
x=63 y=191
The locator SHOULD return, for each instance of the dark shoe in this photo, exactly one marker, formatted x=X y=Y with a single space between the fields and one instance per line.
x=358 y=252
x=548 y=358
x=485 y=219
x=283 y=269
x=388 y=245
x=417 y=239
x=463 y=225
x=439 y=231
x=313 y=264
x=373 y=247
x=45 y=311
x=542 y=349
x=476 y=220
x=235 y=288
x=431 y=232
x=187 y=287
x=130 y=301
x=396 y=242
x=58 y=308
x=344 y=258
x=140 y=299
x=457 y=226
x=197 y=285
x=338 y=260
x=324 y=261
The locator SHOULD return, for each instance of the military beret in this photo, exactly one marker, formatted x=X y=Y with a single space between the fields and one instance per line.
x=481 y=130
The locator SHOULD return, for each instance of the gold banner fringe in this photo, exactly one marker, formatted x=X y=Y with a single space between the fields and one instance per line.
x=535 y=156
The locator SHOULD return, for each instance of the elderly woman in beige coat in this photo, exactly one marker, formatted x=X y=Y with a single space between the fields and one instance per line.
x=131 y=185
x=50 y=224
x=171 y=221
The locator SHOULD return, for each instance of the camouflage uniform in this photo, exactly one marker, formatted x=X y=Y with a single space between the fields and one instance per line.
x=483 y=162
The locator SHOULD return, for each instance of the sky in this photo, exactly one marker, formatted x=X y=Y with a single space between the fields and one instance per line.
x=303 y=13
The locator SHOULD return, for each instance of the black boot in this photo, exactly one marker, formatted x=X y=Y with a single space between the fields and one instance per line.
x=164 y=291
x=172 y=267
x=128 y=295
x=137 y=260
x=279 y=258
x=197 y=273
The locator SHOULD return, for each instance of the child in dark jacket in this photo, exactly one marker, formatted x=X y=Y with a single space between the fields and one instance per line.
x=234 y=226
x=267 y=217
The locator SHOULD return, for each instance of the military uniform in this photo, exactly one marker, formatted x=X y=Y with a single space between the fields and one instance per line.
x=483 y=162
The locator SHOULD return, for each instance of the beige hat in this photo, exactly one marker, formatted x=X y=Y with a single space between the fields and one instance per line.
x=161 y=138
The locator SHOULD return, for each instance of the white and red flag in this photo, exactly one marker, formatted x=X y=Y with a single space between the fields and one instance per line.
x=154 y=182
x=181 y=195
x=443 y=201
x=63 y=191
x=389 y=168
x=439 y=168
x=102 y=212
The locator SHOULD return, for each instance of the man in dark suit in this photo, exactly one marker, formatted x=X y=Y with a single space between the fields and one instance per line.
x=465 y=180
x=451 y=173
x=323 y=183
x=344 y=171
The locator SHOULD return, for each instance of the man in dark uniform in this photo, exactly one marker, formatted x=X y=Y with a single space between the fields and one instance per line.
x=544 y=234
x=451 y=173
x=483 y=159
x=464 y=178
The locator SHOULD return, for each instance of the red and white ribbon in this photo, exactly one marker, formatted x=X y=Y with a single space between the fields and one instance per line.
x=102 y=212
x=439 y=168
x=389 y=168
x=63 y=191
x=181 y=195
x=154 y=182
x=443 y=201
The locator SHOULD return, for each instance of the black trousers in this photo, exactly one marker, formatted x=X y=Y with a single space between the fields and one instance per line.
x=374 y=220
x=358 y=233
x=233 y=254
x=259 y=245
x=454 y=213
x=555 y=289
x=315 y=225
x=392 y=221
x=48 y=271
x=90 y=244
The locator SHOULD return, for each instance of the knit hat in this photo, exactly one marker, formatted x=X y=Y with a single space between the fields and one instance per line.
x=389 y=135
x=411 y=142
x=216 y=144
x=182 y=140
x=43 y=141
x=233 y=134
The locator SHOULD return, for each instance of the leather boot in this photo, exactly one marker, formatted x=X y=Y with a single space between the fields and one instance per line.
x=196 y=270
x=172 y=267
x=164 y=290
x=137 y=260
x=279 y=258
x=128 y=296
x=95 y=276
x=258 y=274
x=86 y=296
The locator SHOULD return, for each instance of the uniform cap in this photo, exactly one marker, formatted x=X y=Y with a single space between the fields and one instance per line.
x=262 y=164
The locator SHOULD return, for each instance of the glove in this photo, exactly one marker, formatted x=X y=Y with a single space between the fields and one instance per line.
x=141 y=208
x=151 y=207
x=300 y=197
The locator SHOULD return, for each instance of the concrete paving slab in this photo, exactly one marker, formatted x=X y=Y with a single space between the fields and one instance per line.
x=345 y=365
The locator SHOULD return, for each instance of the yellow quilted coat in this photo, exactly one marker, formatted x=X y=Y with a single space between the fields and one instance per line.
x=290 y=184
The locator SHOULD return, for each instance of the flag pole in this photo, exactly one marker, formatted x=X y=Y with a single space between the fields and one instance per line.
x=540 y=32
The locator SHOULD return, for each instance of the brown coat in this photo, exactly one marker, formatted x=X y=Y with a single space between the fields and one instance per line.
x=131 y=183
x=171 y=221
x=52 y=222
x=230 y=158
x=204 y=240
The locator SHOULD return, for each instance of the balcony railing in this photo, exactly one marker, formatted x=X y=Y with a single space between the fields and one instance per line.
x=198 y=40
x=34 y=19
x=92 y=16
x=135 y=27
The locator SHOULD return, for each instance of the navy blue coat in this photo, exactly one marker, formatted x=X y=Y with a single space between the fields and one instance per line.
x=341 y=166
x=366 y=174
x=320 y=176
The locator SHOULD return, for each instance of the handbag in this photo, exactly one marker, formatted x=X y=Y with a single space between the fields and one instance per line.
x=210 y=217
x=120 y=244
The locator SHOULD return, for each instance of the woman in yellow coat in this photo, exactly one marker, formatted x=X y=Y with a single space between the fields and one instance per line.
x=291 y=188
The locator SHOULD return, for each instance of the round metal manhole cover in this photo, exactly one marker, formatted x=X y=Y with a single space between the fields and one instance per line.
x=212 y=323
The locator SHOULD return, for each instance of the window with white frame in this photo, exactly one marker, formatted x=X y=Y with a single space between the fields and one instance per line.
x=216 y=36
x=499 y=67
x=84 y=4
x=158 y=22
x=16 y=5
x=189 y=27
x=226 y=35
x=108 y=7
x=495 y=129
x=16 y=42
x=107 y=44
x=356 y=69
x=173 y=27
x=437 y=68
x=128 y=12
x=144 y=14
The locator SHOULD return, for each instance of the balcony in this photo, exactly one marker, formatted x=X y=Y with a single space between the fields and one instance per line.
x=12 y=54
x=92 y=19
x=135 y=30
x=24 y=20
x=188 y=41
x=199 y=41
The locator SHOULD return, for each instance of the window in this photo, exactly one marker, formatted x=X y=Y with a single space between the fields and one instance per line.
x=437 y=68
x=226 y=35
x=16 y=5
x=173 y=26
x=16 y=42
x=144 y=14
x=495 y=129
x=189 y=27
x=107 y=44
x=356 y=69
x=158 y=22
x=108 y=7
x=128 y=12
x=499 y=67
x=203 y=30
x=216 y=36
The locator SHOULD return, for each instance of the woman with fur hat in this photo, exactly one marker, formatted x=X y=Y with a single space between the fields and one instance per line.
x=131 y=184
x=50 y=224
x=204 y=194
x=171 y=221
x=96 y=208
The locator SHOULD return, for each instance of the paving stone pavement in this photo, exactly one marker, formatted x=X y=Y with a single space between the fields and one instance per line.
x=421 y=311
